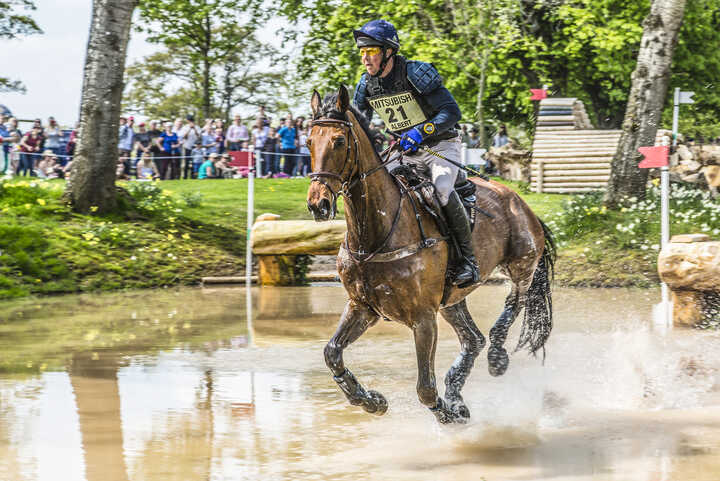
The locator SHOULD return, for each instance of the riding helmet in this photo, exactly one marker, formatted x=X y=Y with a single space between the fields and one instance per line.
x=379 y=33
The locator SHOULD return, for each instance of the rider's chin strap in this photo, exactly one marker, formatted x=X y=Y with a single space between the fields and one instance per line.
x=385 y=60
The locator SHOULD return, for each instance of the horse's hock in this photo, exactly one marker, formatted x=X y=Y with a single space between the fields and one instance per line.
x=278 y=243
x=690 y=266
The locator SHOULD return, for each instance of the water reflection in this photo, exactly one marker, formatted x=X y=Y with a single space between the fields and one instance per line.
x=162 y=385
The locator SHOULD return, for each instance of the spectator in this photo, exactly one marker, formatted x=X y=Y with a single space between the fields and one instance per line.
x=53 y=136
x=209 y=140
x=13 y=144
x=155 y=138
x=474 y=140
x=142 y=142
x=70 y=147
x=464 y=136
x=207 y=169
x=259 y=135
x=125 y=141
x=120 y=172
x=29 y=146
x=236 y=134
x=262 y=116
x=197 y=158
x=169 y=151
x=189 y=136
x=223 y=169
x=44 y=164
x=288 y=138
x=219 y=139
x=5 y=140
x=147 y=168
x=501 y=137
x=269 y=153
x=178 y=125
x=304 y=165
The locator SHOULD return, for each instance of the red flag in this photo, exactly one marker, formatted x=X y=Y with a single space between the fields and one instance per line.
x=654 y=156
x=538 y=94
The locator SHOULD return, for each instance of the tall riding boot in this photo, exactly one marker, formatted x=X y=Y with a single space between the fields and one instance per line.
x=467 y=273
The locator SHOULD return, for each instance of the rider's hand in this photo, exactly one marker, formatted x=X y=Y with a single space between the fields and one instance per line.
x=411 y=140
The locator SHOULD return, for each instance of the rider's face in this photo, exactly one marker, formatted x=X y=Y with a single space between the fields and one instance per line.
x=372 y=62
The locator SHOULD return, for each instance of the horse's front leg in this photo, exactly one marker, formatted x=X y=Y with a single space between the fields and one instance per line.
x=425 y=333
x=354 y=321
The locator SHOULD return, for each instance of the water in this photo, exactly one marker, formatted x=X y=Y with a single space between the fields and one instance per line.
x=167 y=385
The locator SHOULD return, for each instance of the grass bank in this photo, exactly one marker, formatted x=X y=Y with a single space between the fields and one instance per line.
x=180 y=231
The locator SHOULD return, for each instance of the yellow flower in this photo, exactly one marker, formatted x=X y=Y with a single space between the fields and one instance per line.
x=170 y=237
x=186 y=236
x=88 y=235
x=41 y=201
x=93 y=208
x=27 y=206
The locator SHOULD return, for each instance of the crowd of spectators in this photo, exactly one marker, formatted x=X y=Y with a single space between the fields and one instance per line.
x=42 y=150
x=181 y=148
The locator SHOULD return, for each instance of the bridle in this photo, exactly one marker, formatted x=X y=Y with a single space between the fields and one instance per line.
x=354 y=176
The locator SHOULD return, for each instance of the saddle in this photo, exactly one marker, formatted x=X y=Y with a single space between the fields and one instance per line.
x=423 y=193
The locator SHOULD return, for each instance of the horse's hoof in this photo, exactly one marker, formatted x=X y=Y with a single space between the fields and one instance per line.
x=498 y=361
x=376 y=403
x=461 y=410
x=446 y=415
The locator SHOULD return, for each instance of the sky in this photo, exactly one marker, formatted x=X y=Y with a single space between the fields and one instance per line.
x=51 y=64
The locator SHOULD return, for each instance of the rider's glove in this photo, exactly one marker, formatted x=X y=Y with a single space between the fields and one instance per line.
x=411 y=140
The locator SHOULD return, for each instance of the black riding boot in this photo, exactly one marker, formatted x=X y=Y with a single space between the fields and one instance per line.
x=467 y=273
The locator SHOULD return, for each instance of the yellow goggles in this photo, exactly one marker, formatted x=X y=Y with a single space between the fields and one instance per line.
x=369 y=51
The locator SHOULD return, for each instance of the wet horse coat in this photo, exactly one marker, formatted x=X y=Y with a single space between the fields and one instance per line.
x=388 y=274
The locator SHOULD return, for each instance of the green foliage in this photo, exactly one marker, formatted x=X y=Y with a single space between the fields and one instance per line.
x=14 y=24
x=209 y=62
x=585 y=49
x=192 y=199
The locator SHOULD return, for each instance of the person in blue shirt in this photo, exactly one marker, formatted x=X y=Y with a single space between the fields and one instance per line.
x=5 y=139
x=288 y=136
x=169 y=148
x=410 y=98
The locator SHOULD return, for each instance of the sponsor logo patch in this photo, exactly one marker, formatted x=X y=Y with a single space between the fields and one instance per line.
x=429 y=128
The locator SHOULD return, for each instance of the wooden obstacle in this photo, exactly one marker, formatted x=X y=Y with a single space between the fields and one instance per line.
x=277 y=243
x=569 y=155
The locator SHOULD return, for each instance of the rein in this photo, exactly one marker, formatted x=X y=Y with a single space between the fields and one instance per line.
x=354 y=177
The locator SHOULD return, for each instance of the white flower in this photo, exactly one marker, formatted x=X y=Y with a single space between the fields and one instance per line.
x=133 y=258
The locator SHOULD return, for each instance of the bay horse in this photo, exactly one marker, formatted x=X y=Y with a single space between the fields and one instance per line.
x=394 y=258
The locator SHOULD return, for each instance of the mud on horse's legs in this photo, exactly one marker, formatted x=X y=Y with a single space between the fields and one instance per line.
x=471 y=343
x=497 y=355
x=355 y=320
x=425 y=333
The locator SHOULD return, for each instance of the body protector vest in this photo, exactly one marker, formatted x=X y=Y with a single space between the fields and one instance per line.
x=398 y=103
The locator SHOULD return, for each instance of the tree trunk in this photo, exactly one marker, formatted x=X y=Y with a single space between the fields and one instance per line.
x=206 y=69
x=479 y=113
x=647 y=96
x=92 y=183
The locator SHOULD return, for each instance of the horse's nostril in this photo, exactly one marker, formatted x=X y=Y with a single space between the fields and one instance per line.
x=325 y=206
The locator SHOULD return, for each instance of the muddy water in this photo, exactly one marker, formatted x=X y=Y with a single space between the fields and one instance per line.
x=172 y=385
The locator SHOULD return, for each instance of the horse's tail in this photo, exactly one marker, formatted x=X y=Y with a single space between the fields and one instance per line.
x=538 y=320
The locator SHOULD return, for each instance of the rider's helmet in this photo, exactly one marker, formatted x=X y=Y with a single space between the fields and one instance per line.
x=380 y=33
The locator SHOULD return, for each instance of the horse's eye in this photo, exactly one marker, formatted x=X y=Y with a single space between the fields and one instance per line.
x=307 y=143
x=339 y=142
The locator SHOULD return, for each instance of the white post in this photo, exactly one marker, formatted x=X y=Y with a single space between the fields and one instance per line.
x=464 y=154
x=248 y=251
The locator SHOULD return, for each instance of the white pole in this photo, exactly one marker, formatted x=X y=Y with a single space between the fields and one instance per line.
x=463 y=154
x=248 y=250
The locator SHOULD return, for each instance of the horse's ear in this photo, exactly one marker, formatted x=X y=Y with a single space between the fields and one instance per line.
x=343 y=99
x=315 y=103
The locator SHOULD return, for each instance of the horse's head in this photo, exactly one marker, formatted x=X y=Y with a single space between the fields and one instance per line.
x=333 y=150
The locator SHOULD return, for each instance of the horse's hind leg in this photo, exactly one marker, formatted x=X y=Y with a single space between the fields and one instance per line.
x=471 y=343
x=354 y=321
x=498 y=359
x=425 y=333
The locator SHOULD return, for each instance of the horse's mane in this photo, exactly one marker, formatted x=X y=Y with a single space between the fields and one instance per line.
x=328 y=109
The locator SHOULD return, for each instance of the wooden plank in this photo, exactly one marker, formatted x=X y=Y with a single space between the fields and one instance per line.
x=567 y=172
x=566 y=155
x=579 y=148
x=549 y=180
x=556 y=118
x=571 y=190
x=579 y=132
x=548 y=185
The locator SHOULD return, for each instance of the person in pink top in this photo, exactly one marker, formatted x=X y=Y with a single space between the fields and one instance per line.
x=236 y=134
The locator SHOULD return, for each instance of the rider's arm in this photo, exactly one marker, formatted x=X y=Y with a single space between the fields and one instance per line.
x=427 y=81
x=360 y=99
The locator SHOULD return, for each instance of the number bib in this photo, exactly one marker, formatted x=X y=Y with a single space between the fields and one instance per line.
x=398 y=111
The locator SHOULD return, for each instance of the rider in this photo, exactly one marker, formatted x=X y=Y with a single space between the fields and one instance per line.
x=410 y=98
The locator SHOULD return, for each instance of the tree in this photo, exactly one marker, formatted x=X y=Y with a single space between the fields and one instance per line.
x=13 y=25
x=649 y=90
x=166 y=85
x=92 y=183
x=204 y=30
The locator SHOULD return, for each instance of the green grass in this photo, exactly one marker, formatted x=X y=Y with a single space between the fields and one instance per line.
x=182 y=230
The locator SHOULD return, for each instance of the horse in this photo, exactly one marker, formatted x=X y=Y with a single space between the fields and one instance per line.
x=393 y=262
